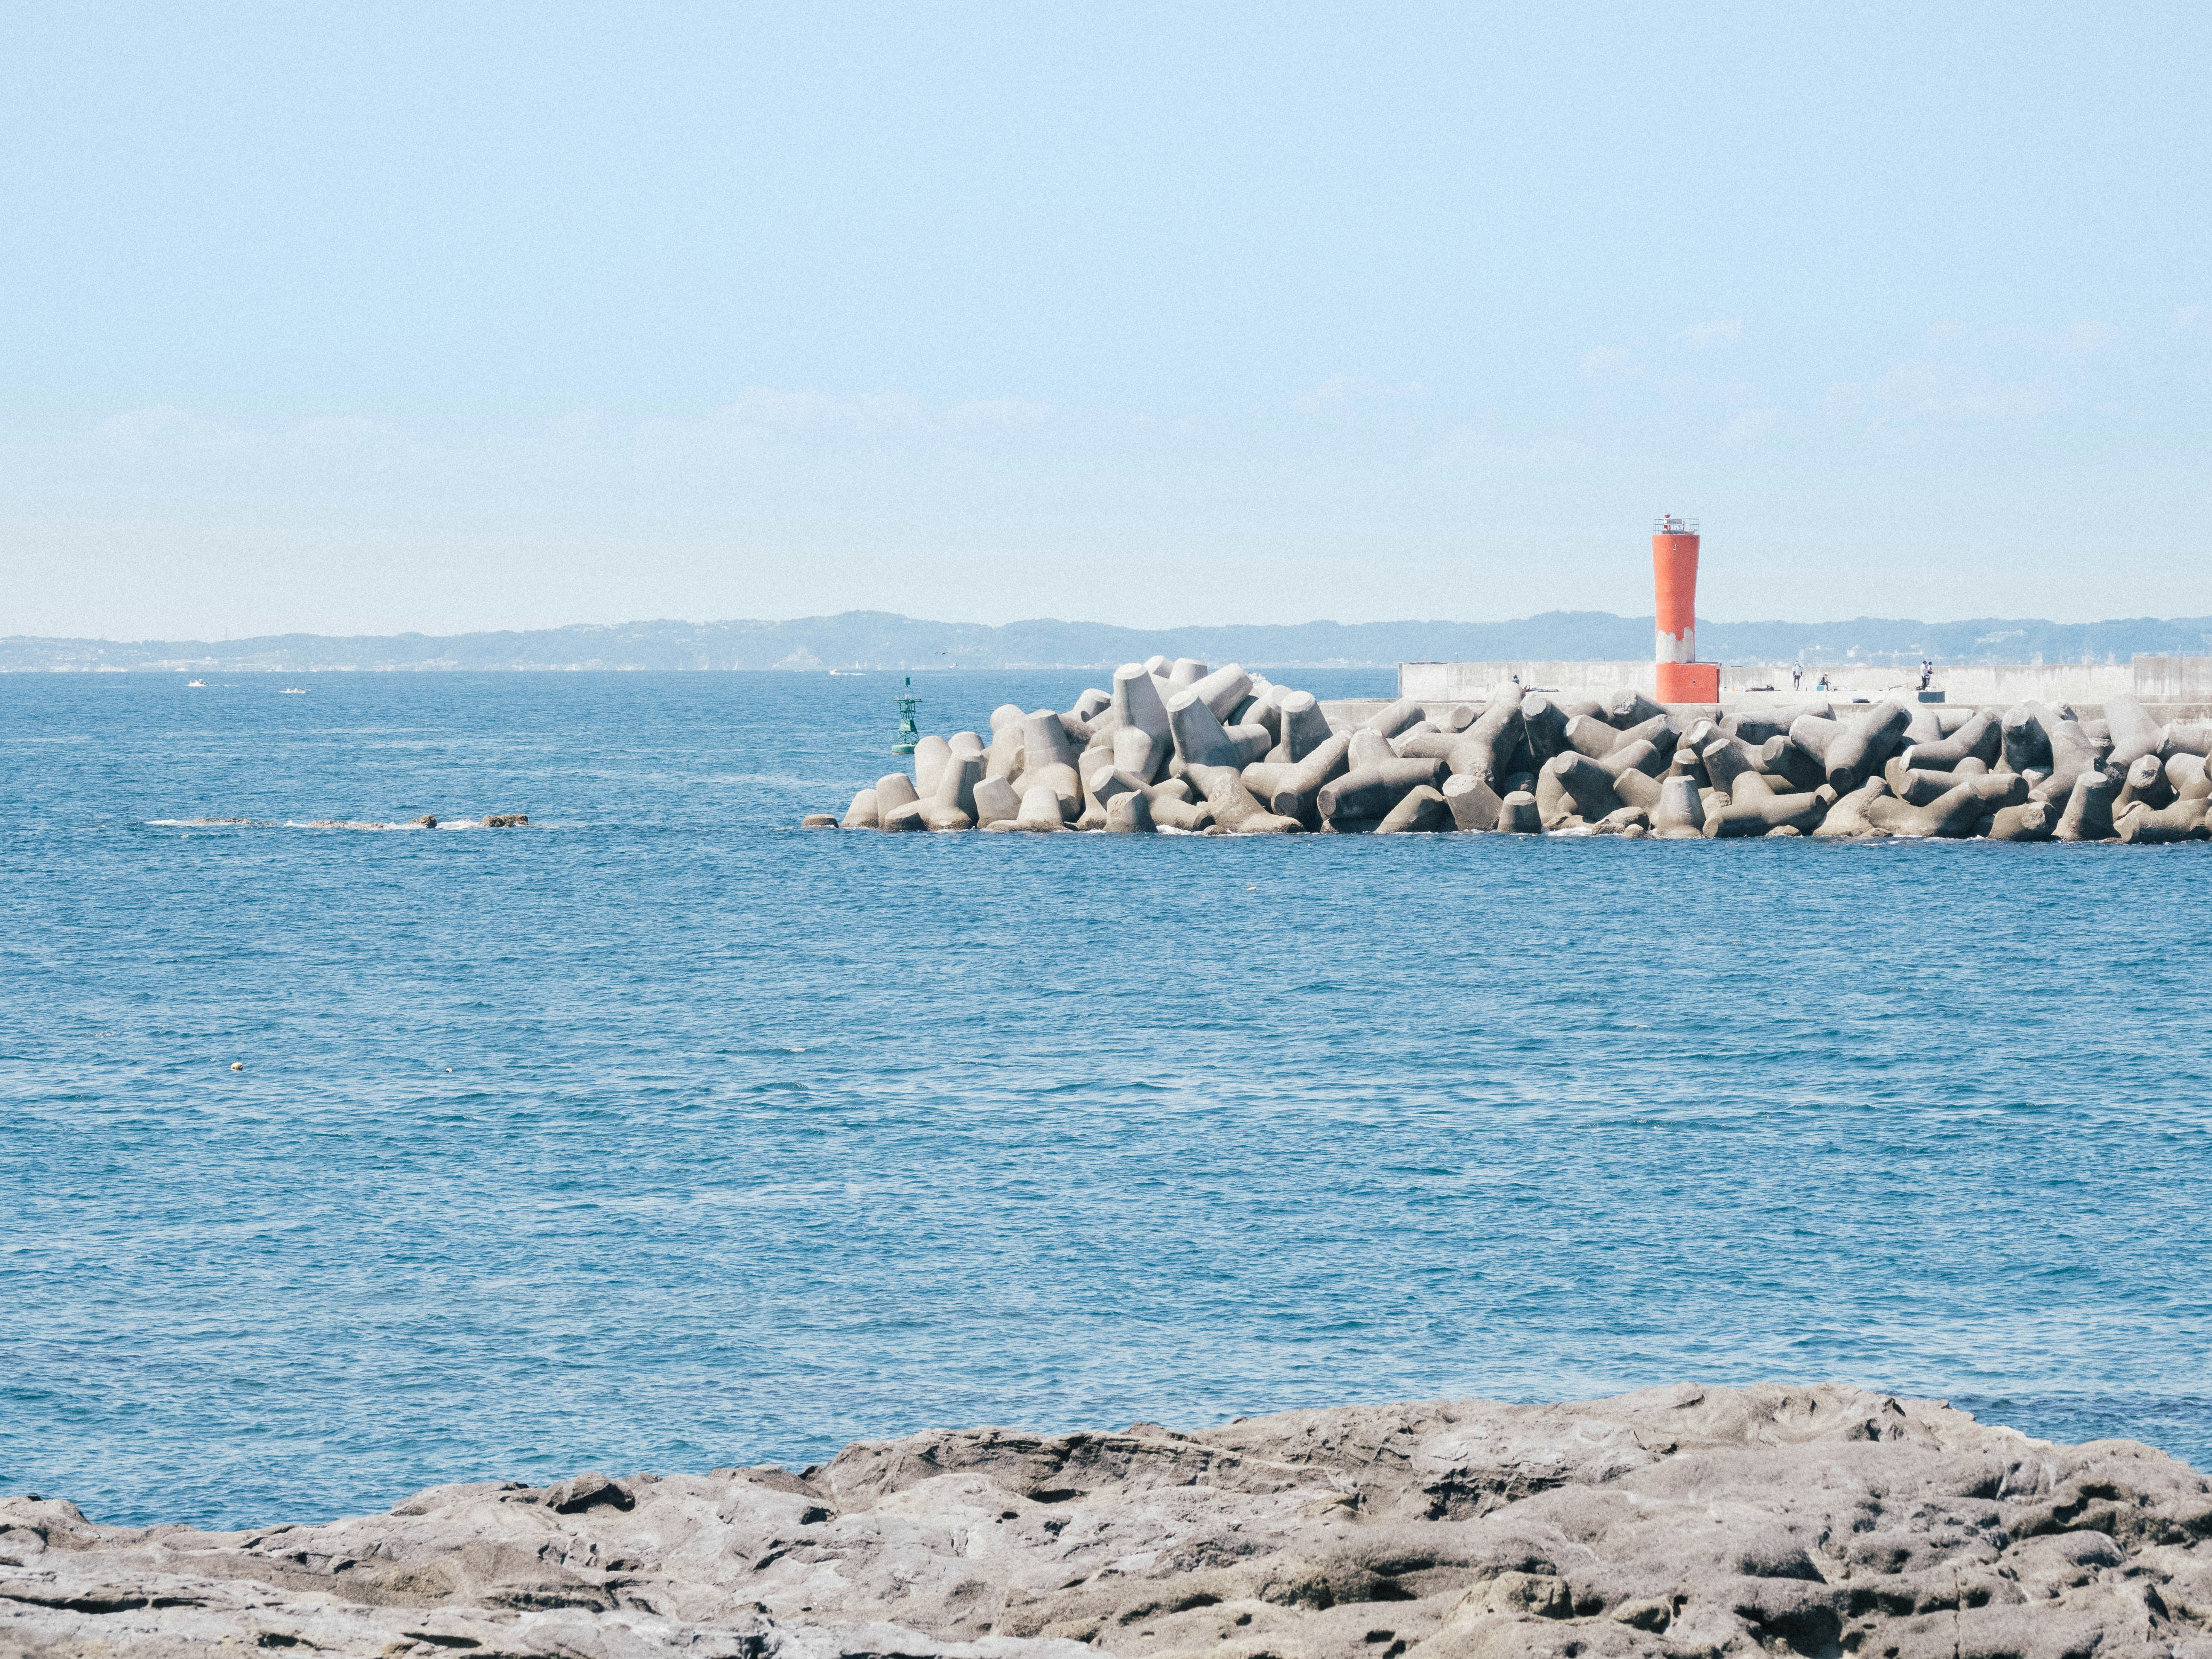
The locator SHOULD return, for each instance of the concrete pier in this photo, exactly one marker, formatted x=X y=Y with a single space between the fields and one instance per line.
x=2180 y=685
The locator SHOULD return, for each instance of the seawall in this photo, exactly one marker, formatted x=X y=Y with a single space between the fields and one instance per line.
x=2185 y=682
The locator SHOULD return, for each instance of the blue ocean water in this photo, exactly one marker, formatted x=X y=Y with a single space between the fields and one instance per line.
x=664 y=1134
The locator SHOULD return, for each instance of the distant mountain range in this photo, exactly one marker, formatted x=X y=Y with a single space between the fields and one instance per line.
x=878 y=638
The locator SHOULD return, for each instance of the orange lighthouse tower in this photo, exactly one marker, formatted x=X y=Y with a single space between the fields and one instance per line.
x=1682 y=677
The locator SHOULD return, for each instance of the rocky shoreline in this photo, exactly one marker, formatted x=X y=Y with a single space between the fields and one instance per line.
x=1681 y=1521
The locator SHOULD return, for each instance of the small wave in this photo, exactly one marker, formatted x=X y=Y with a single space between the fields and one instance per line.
x=328 y=824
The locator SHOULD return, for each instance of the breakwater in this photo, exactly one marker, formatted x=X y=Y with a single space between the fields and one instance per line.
x=1181 y=748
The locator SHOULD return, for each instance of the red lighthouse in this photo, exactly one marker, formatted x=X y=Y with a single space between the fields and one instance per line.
x=1682 y=677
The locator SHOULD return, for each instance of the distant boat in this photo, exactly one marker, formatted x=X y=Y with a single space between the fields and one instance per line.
x=849 y=671
x=189 y=684
x=294 y=691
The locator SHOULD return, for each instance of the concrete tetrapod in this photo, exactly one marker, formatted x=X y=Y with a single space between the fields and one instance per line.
x=1200 y=738
x=2032 y=820
x=2088 y=812
x=1183 y=673
x=953 y=806
x=1780 y=758
x=1814 y=734
x=1048 y=760
x=2141 y=823
x=930 y=754
x=1637 y=754
x=1637 y=789
x=1235 y=807
x=1224 y=689
x=1136 y=702
x=1419 y=808
x=1801 y=812
x=1726 y=760
x=861 y=814
x=1756 y=730
x=1589 y=735
x=995 y=801
x=1473 y=802
x=1294 y=791
x=1680 y=813
x=1370 y=792
x=1129 y=814
x=2022 y=741
x=1631 y=709
x=1660 y=733
x=1369 y=749
x=1040 y=810
x=1516 y=814
x=1952 y=815
x=1917 y=788
x=2134 y=733
x=1980 y=738
x=2073 y=753
x=1003 y=759
x=898 y=807
x=1389 y=721
x=1573 y=785
x=1848 y=817
x=2146 y=785
x=1485 y=748
x=1262 y=713
x=1305 y=728
x=1544 y=726
x=1140 y=752
x=1858 y=751
x=2188 y=737
x=1921 y=726
x=1426 y=744
x=1173 y=809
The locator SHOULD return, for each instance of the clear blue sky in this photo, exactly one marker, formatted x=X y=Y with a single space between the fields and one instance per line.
x=456 y=316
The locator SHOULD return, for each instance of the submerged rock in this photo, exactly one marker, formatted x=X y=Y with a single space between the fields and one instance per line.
x=1677 y=1521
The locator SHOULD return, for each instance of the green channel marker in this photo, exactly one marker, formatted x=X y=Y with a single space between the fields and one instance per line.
x=909 y=733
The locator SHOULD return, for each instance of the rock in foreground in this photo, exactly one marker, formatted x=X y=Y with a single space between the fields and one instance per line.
x=1681 y=1521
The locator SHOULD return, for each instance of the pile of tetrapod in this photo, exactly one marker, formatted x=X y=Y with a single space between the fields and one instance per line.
x=1176 y=747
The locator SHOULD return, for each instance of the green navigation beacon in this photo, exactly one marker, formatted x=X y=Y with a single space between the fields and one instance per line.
x=908 y=733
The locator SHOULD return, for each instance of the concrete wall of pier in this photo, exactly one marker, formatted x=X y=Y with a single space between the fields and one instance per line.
x=2184 y=680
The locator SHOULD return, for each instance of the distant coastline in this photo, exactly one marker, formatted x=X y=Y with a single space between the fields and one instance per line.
x=882 y=641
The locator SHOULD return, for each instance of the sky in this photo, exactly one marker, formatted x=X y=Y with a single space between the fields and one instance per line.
x=443 y=317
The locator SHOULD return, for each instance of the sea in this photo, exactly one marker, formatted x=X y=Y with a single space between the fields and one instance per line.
x=340 y=1161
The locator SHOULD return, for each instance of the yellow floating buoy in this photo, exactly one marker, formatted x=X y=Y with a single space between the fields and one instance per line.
x=237 y=1064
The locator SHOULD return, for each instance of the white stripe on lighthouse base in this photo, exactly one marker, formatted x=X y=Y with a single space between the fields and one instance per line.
x=1678 y=647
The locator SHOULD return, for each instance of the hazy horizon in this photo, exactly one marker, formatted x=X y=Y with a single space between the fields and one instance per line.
x=425 y=320
x=1704 y=621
